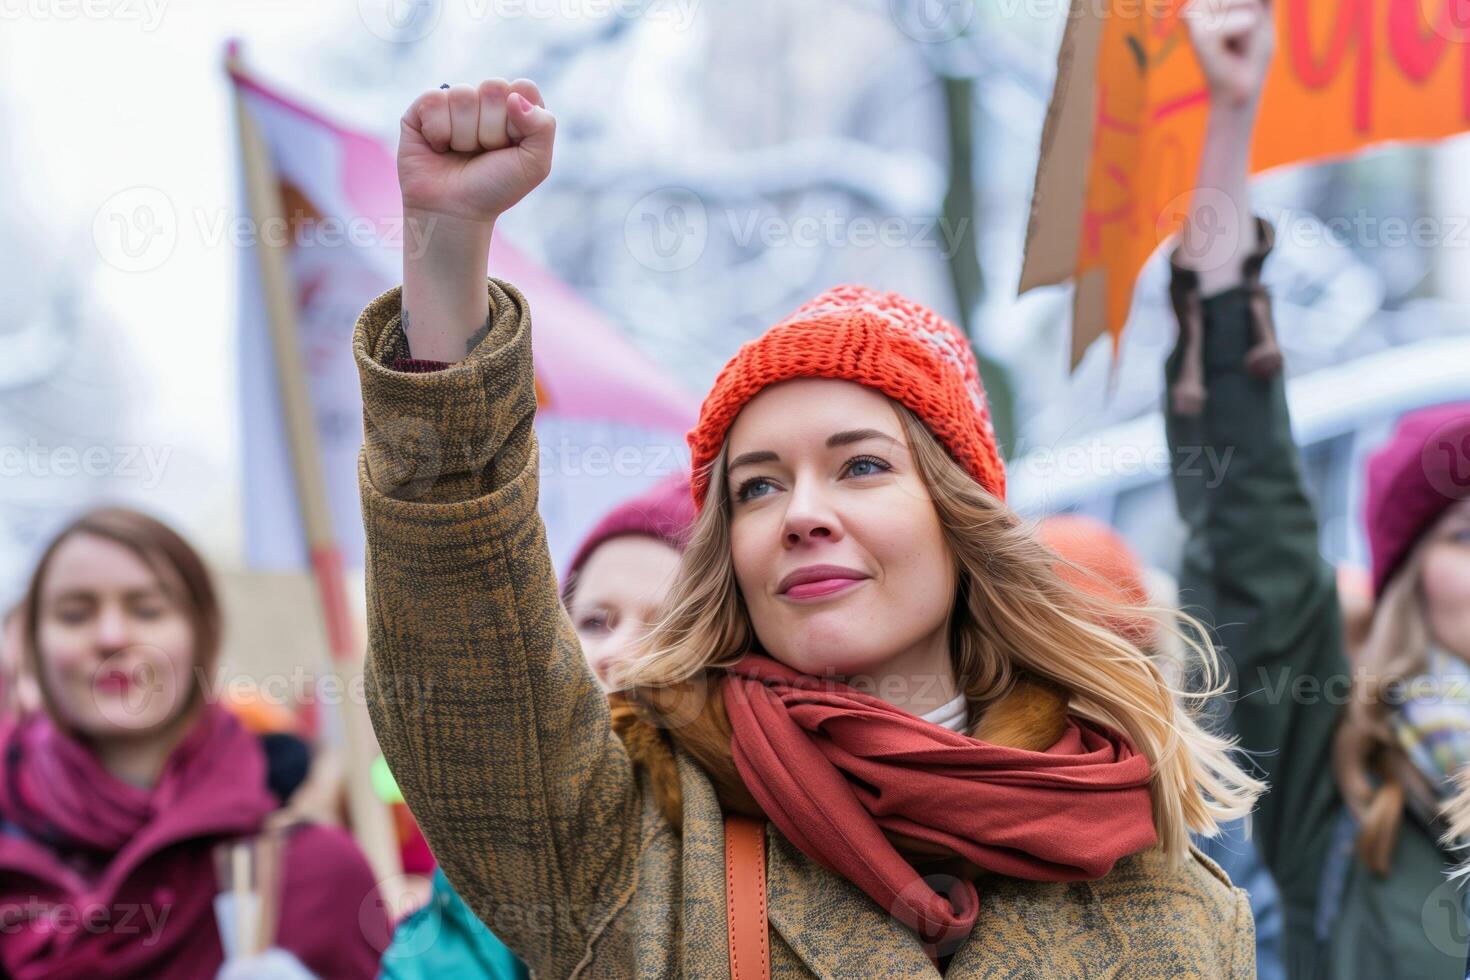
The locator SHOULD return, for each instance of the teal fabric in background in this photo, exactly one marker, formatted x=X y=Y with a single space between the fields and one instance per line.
x=445 y=939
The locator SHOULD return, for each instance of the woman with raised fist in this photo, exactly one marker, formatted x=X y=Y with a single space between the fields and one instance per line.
x=113 y=797
x=867 y=661
x=1359 y=761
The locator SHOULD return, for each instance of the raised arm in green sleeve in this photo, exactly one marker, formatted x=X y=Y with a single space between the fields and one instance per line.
x=1252 y=568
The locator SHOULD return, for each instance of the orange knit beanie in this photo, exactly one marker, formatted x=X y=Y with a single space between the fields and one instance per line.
x=879 y=340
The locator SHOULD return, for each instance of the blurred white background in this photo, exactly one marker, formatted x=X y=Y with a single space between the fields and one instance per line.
x=773 y=117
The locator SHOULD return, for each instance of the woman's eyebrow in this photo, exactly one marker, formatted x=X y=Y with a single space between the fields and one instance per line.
x=90 y=595
x=833 y=441
x=857 y=435
x=746 y=459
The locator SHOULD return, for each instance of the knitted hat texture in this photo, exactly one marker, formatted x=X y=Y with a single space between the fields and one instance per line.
x=664 y=512
x=879 y=340
x=1422 y=469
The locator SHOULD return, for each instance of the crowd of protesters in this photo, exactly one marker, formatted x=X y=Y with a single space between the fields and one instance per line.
x=828 y=659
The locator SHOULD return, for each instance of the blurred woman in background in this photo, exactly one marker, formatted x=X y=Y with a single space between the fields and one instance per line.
x=113 y=796
x=620 y=575
x=1351 y=827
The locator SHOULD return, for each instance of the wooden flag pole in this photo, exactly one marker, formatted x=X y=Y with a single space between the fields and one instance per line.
x=371 y=822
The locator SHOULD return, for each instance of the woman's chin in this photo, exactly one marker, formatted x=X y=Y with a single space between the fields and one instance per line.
x=833 y=657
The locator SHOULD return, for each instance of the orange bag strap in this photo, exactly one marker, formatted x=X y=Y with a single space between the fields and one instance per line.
x=745 y=898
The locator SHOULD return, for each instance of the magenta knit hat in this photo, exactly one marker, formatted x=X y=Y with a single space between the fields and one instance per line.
x=664 y=512
x=1412 y=480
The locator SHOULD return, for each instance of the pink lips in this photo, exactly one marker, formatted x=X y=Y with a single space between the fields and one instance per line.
x=824 y=587
x=816 y=581
x=113 y=681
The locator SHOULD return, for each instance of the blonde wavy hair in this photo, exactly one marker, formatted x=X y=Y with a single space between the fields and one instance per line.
x=1457 y=819
x=1374 y=772
x=1012 y=614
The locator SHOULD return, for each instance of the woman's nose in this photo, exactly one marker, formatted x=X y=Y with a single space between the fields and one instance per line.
x=800 y=531
x=596 y=652
x=809 y=516
x=113 y=629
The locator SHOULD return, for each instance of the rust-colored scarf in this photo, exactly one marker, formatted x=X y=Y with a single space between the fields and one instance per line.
x=871 y=791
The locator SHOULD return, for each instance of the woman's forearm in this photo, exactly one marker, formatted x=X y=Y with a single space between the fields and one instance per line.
x=444 y=259
x=1233 y=41
x=1220 y=230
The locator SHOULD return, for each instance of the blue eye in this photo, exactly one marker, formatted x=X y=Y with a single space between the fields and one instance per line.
x=858 y=461
x=745 y=490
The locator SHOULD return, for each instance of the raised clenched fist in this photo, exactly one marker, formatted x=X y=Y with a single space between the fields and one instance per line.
x=471 y=152
x=1234 y=40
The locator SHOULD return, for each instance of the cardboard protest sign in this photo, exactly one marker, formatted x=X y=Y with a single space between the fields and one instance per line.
x=1121 y=143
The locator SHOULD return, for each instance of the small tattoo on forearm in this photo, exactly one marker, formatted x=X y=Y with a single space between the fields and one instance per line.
x=403 y=325
x=477 y=336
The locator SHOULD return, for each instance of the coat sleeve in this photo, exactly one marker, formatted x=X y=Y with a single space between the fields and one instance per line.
x=333 y=918
x=1252 y=567
x=486 y=710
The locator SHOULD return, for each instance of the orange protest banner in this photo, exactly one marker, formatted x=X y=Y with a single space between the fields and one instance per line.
x=1122 y=138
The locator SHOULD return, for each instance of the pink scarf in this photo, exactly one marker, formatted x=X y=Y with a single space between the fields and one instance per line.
x=78 y=838
x=834 y=769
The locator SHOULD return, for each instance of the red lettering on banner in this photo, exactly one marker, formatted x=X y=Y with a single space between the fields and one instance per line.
x=1417 y=51
x=1415 y=46
x=1354 y=25
x=1418 y=48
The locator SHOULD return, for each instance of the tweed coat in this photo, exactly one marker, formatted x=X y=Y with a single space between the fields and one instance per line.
x=500 y=739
